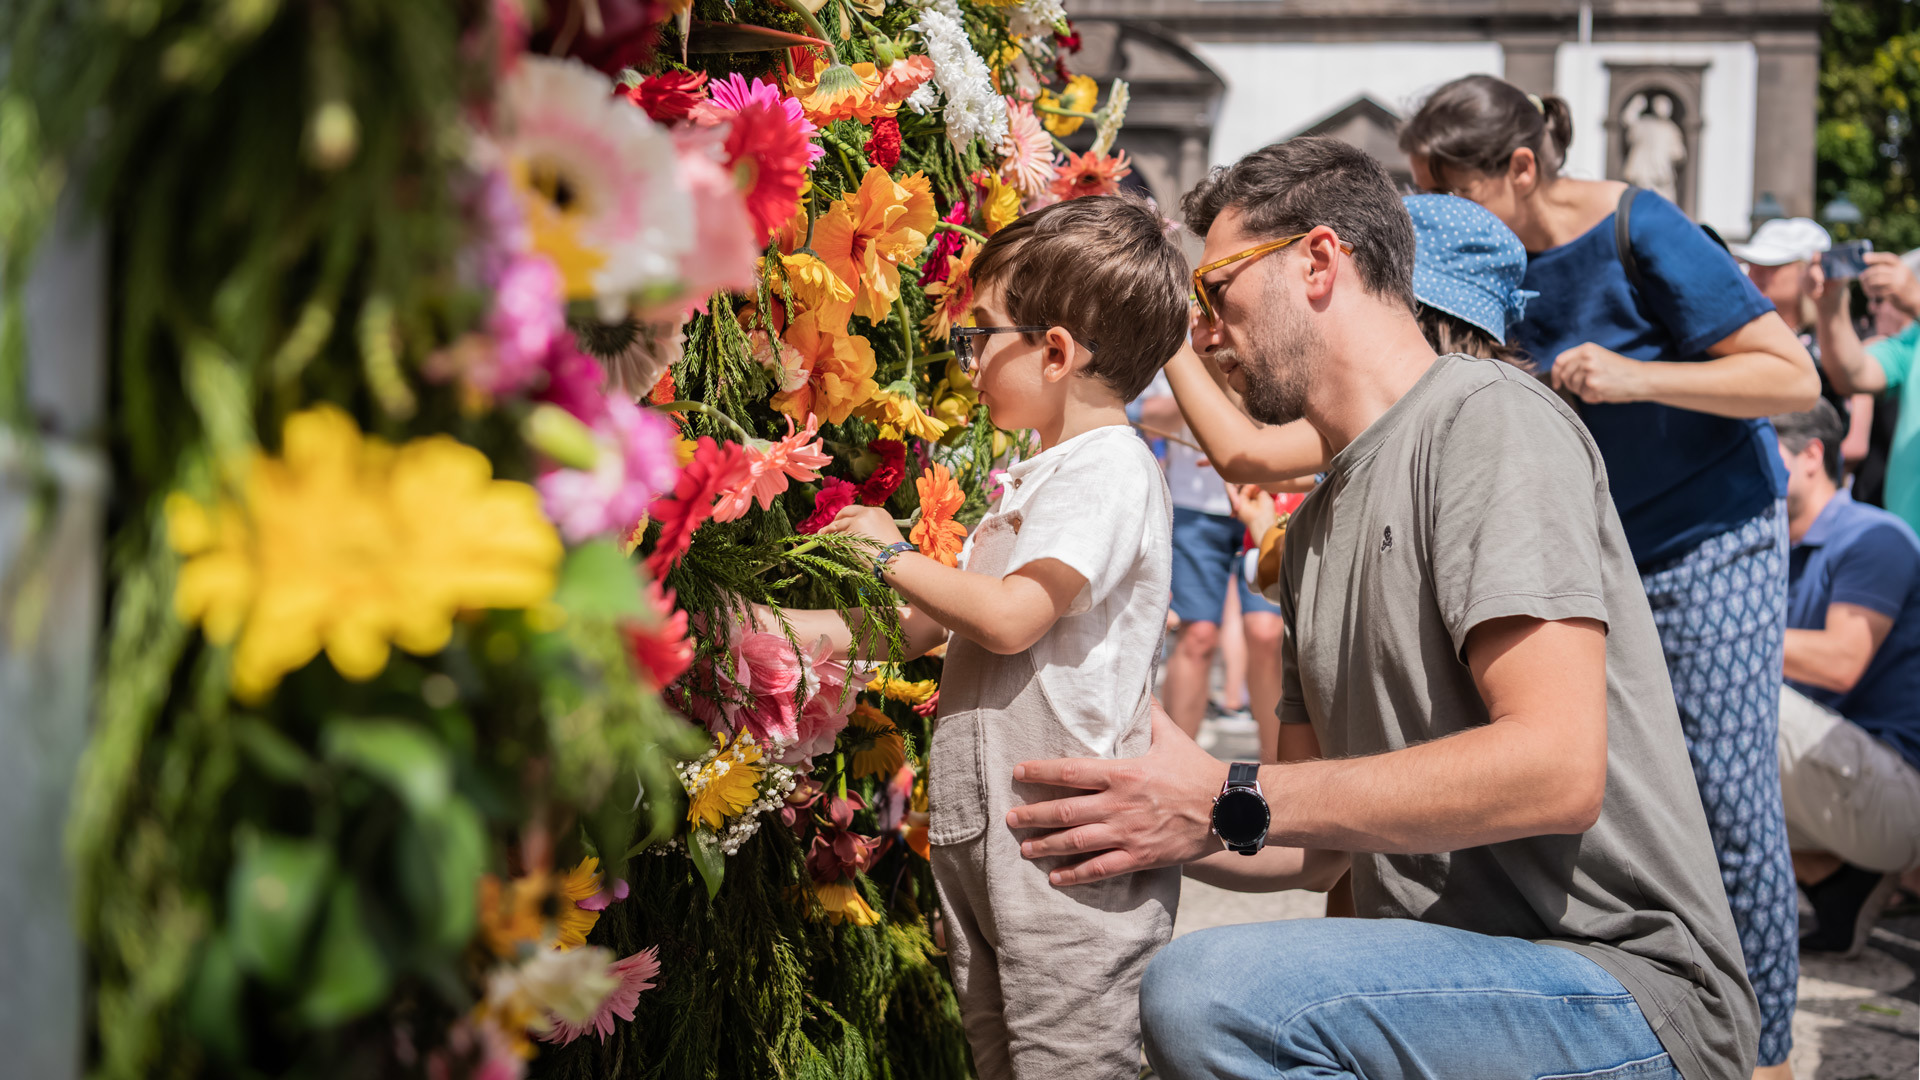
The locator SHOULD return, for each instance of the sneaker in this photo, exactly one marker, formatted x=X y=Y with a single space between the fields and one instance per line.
x=1845 y=906
x=1236 y=721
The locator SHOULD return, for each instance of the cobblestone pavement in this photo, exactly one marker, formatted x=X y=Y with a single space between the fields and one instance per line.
x=1857 y=1020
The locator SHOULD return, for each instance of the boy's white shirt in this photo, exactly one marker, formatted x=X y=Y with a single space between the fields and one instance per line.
x=1098 y=503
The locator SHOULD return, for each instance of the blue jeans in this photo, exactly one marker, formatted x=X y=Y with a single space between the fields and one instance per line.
x=1206 y=563
x=1381 y=999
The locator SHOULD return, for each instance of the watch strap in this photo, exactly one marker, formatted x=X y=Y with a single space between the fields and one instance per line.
x=886 y=557
x=1243 y=774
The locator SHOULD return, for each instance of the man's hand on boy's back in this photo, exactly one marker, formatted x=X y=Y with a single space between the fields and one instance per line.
x=1153 y=810
x=873 y=522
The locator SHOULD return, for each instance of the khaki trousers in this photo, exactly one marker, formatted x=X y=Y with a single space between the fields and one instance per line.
x=1846 y=792
x=1048 y=978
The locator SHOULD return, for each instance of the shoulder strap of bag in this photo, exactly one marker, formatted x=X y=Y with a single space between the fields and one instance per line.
x=1623 y=237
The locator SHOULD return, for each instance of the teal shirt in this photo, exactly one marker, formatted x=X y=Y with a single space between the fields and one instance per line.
x=1896 y=356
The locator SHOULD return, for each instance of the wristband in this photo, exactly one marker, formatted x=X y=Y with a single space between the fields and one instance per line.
x=886 y=558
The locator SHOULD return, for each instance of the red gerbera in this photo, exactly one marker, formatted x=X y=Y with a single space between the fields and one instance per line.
x=835 y=495
x=1090 y=174
x=670 y=96
x=883 y=146
x=769 y=155
x=716 y=469
x=885 y=480
x=662 y=649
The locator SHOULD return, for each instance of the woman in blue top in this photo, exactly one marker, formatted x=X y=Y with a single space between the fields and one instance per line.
x=1676 y=359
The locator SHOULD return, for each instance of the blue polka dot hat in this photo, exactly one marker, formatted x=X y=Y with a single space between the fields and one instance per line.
x=1467 y=263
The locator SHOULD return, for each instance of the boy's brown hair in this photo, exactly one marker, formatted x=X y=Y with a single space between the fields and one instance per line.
x=1104 y=268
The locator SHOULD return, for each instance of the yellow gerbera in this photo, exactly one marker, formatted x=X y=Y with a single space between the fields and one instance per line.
x=895 y=405
x=882 y=749
x=510 y=912
x=352 y=545
x=726 y=785
x=1081 y=94
x=1000 y=202
x=576 y=922
x=869 y=233
x=891 y=686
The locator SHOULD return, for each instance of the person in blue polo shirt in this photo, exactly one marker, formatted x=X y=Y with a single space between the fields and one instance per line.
x=1850 y=709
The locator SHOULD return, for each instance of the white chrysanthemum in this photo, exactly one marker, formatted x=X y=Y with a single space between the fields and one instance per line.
x=598 y=179
x=1036 y=19
x=974 y=110
x=924 y=100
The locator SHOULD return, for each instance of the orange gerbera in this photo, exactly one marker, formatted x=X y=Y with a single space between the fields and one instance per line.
x=868 y=234
x=838 y=366
x=951 y=298
x=573 y=922
x=881 y=750
x=1091 y=173
x=937 y=535
x=840 y=92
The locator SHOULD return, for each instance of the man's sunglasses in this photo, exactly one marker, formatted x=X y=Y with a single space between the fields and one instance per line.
x=963 y=340
x=1200 y=287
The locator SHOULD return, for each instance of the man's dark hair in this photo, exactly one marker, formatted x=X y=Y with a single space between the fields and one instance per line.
x=1293 y=186
x=1103 y=267
x=1821 y=422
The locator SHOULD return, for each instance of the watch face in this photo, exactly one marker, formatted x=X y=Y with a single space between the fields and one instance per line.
x=1240 y=817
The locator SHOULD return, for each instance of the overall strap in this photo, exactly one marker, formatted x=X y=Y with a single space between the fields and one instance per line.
x=1623 y=237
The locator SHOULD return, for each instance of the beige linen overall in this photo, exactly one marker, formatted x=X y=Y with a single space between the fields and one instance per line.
x=1048 y=978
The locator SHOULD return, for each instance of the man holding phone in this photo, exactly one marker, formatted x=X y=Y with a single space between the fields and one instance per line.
x=1856 y=368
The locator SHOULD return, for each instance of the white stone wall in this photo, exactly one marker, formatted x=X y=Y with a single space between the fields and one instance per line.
x=1275 y=88
x=1728 y=92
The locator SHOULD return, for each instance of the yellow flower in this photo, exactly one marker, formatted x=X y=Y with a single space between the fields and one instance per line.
x=510 y=912
x=868 y=234
x=1000 y=202
x=895 y=405
x=952 y=299
x=352 y=545
x=819 y=290
x=954 y=398
x=726 y=785
x=1081 y=95
x=882 y=750
x=840 y=92
x=576 y=922
x=891 y=686
x=842 y=903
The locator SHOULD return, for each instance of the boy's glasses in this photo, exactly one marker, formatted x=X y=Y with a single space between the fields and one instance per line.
x=1200 y=287
x=963 y=340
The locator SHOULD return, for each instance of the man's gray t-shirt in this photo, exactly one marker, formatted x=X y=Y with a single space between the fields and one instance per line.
x=1479 y=495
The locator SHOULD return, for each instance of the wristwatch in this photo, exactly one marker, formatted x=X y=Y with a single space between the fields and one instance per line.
x=886 y=557
x=1240 y=813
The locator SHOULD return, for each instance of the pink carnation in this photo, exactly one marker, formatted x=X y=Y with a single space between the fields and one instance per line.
x=635 y=465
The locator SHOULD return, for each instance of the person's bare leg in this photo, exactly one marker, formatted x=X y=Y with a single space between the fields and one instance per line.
x=1263 y=630
x=1814 y=867
x=1184 y=693
x=1233 y=653
x=1782 y=1071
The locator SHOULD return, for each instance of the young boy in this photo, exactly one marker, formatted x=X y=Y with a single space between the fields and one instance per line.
x=1055 y=616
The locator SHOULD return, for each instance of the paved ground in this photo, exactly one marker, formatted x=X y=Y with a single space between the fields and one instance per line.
x=1858 y=1019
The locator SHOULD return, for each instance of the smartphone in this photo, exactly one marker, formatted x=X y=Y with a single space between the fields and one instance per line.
x=1848 y=260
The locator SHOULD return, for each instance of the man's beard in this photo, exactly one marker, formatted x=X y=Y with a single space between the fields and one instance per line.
x=1277 y=366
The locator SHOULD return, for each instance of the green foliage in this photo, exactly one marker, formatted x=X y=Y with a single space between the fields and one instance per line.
x=1867 y=141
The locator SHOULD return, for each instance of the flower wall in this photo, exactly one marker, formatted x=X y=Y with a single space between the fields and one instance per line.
x=482 y=377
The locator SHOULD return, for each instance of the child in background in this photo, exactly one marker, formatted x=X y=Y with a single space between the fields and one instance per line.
x=1053 y=622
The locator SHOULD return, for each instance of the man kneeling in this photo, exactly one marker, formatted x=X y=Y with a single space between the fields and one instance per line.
x=1850 y=711
x=1469 y=646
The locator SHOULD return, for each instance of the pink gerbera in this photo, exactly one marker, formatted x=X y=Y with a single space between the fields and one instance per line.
x=636 y=973
x=769 y=155
x=1027 y=154
x=735 y=93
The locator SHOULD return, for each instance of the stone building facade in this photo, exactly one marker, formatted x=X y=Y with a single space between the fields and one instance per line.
x=1723 y=91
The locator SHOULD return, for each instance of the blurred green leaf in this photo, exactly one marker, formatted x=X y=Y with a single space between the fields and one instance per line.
x=441 y=856
x=213 y=1001
x=271 y=752
x=276 y=887
x=599 y=583
x=350 y=974
x=405 y=756
x=708 y=859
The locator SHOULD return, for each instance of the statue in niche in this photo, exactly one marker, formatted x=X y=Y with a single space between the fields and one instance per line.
x=1656 y=147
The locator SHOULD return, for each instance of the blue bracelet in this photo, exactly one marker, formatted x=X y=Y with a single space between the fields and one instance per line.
x=886 y=557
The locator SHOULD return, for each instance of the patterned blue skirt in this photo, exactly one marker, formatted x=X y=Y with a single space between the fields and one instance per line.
x=1722 y=612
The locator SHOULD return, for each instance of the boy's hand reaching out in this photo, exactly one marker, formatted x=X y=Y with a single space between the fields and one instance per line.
x=873 y=522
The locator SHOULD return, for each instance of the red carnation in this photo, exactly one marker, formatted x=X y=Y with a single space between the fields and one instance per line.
x=1069 y=41
x=886 y=479
x=883 y=146
x=945 y=243
x=716 y=469
x=670 y=96
x=661 y=649
x=835 y=495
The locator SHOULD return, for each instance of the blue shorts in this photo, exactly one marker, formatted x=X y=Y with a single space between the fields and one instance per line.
x=1206 y=563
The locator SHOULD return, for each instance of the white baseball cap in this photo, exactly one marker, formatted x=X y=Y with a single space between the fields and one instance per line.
x=1780 y=241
